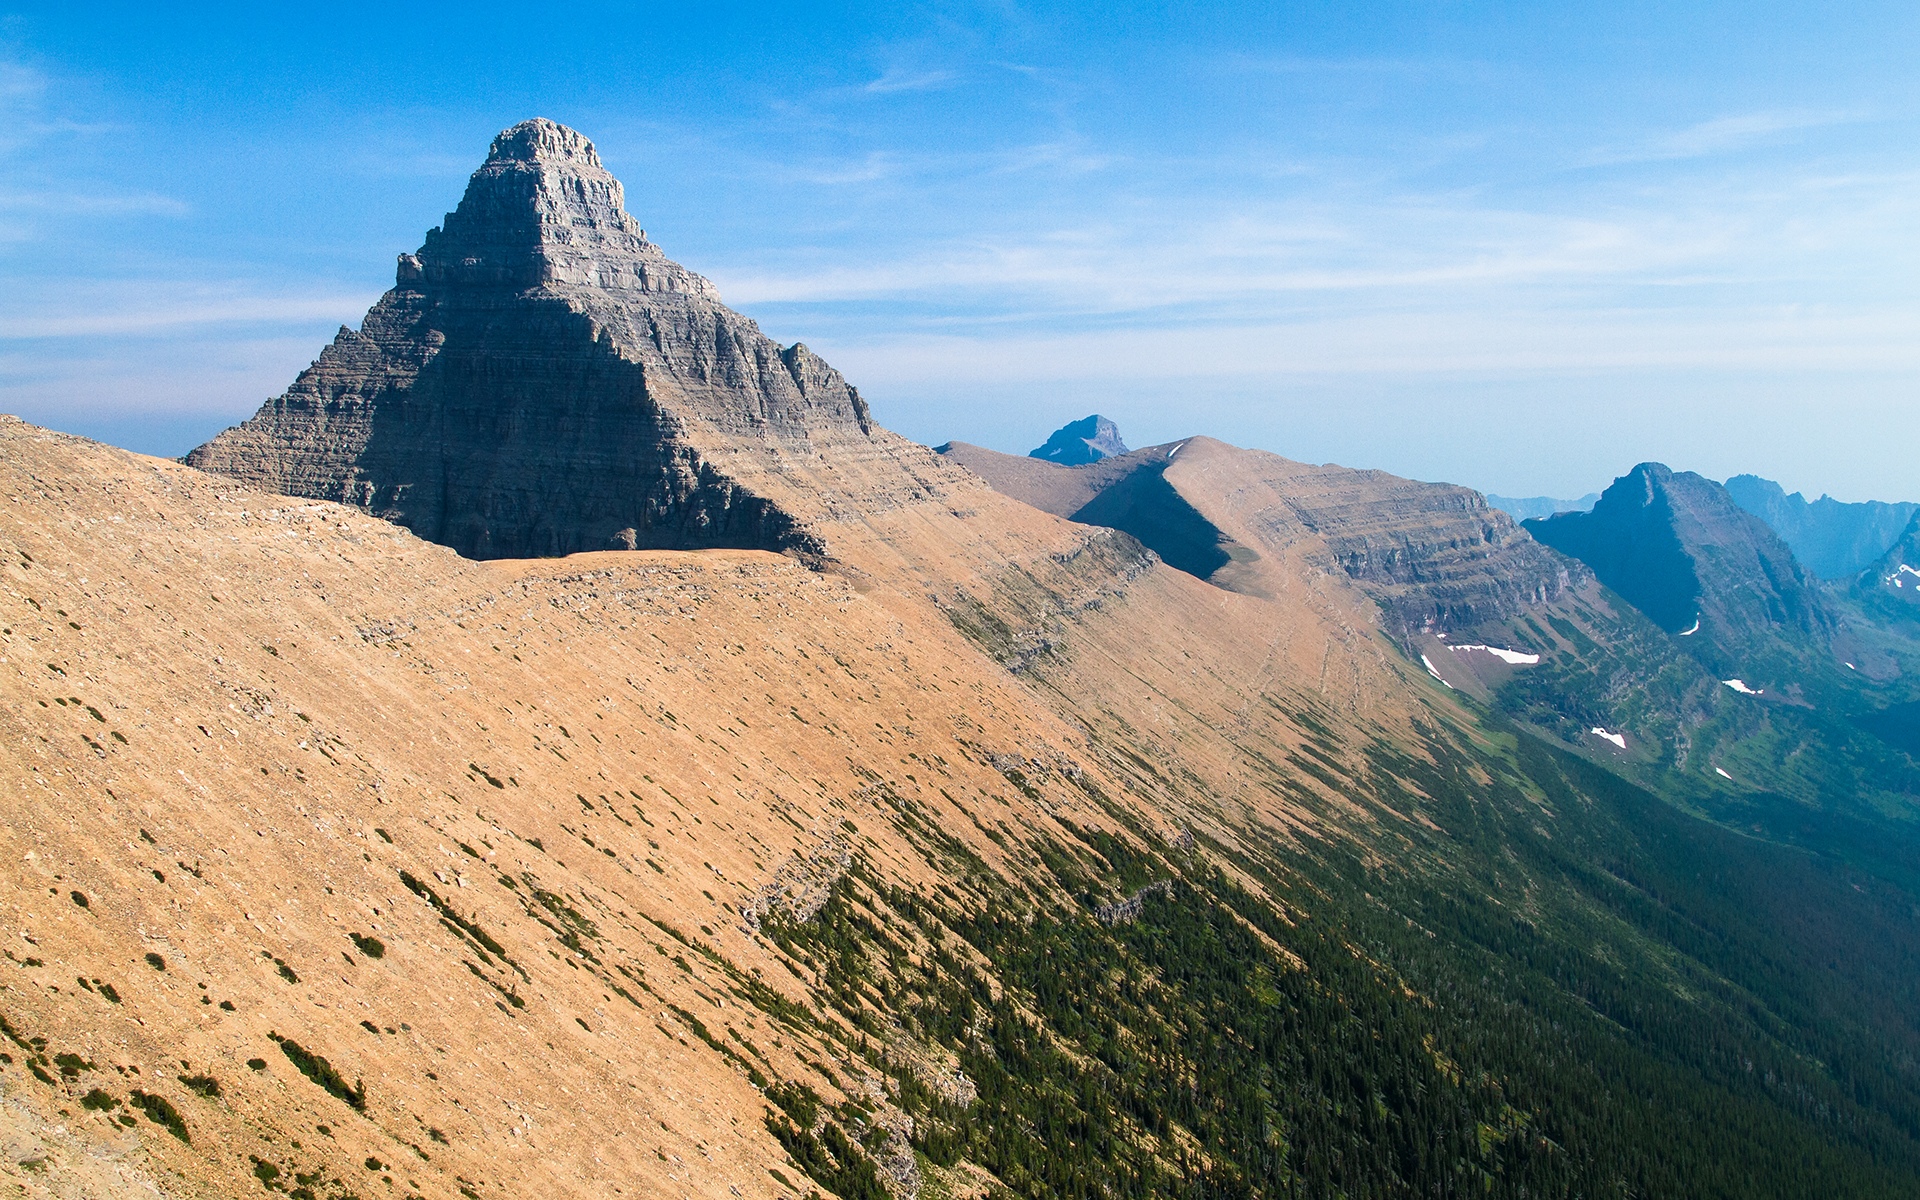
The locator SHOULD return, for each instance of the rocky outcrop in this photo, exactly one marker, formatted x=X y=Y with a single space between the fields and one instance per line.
x=542 y=379
x=1677 y=547
x=1087 y=440
x=1520 y=508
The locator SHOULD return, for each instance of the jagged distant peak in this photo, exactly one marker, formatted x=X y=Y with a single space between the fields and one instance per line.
x=1087 y=440
x=1834 y=538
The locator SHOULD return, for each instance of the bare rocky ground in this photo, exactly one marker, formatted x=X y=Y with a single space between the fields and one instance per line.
x=386 y=872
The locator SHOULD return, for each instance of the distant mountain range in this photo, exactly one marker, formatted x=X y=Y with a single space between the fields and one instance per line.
x=1522 y=508
x=1833 y=539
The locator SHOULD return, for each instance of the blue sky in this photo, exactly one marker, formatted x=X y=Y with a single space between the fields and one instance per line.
x=1518 y=246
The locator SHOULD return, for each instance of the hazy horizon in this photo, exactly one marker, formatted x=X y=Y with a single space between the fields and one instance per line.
x=1518 y=250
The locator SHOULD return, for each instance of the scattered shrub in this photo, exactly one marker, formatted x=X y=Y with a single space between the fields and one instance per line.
x=99 y=1101
x=370 y=946
x=318 y=1069
x=156 y=962
x=71 y=1065
x=258 y=1064
x=204 y=1085
x=161 y=1113
x=80 y=898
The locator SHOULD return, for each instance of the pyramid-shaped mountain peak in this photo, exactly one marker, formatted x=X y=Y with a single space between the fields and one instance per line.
x=543 y=380
x=543 y=211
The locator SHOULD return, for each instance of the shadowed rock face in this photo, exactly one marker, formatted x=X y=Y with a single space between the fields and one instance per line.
x=1677 y=546
x=543 y=380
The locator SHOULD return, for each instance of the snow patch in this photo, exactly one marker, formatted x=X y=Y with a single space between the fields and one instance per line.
x=1694 y=630
x=1428 y=664
x=1513 y=657
x=1618 y=739
x=1176 y=450
x=1722 y=774
x=1851 y=667
x=1739 y=685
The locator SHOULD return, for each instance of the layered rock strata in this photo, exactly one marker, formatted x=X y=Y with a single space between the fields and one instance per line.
x=542 y=379
x=1433 y=557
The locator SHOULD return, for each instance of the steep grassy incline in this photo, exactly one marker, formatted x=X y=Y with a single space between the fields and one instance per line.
x=349 y=867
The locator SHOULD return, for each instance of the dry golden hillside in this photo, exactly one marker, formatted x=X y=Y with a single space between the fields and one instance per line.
x=483 y=848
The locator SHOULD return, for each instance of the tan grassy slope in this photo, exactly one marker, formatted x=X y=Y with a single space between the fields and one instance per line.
x=238 y=725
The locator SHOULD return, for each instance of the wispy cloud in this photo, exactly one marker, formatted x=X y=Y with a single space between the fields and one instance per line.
x=1503 y=341
x=1721 y=135
x=146 y=308
x=871 y=168
x=903 y=79
x=55 y=201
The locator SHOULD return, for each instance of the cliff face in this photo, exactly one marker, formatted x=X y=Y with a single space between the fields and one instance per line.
x=543 y=380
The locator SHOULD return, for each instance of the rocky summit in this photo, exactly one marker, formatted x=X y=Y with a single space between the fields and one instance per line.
x=542 y=380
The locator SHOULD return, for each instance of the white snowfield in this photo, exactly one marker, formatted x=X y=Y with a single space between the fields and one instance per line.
x=1618 y=739
x=1898 y=582
x=1428 y=664
x=1694 y=630
x=1740 y=686
x=1506 y=656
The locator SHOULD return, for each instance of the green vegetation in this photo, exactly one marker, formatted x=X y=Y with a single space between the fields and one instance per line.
x=160 y=1113
x=318 y=1069
x=1564 y=987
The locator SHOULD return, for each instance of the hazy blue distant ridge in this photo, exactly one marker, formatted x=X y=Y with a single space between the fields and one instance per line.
x=1521 y=508
x=1834 y=540
x=1077 y=443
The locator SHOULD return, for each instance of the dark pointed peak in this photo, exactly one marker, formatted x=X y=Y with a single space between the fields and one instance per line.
x=1077 y=443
